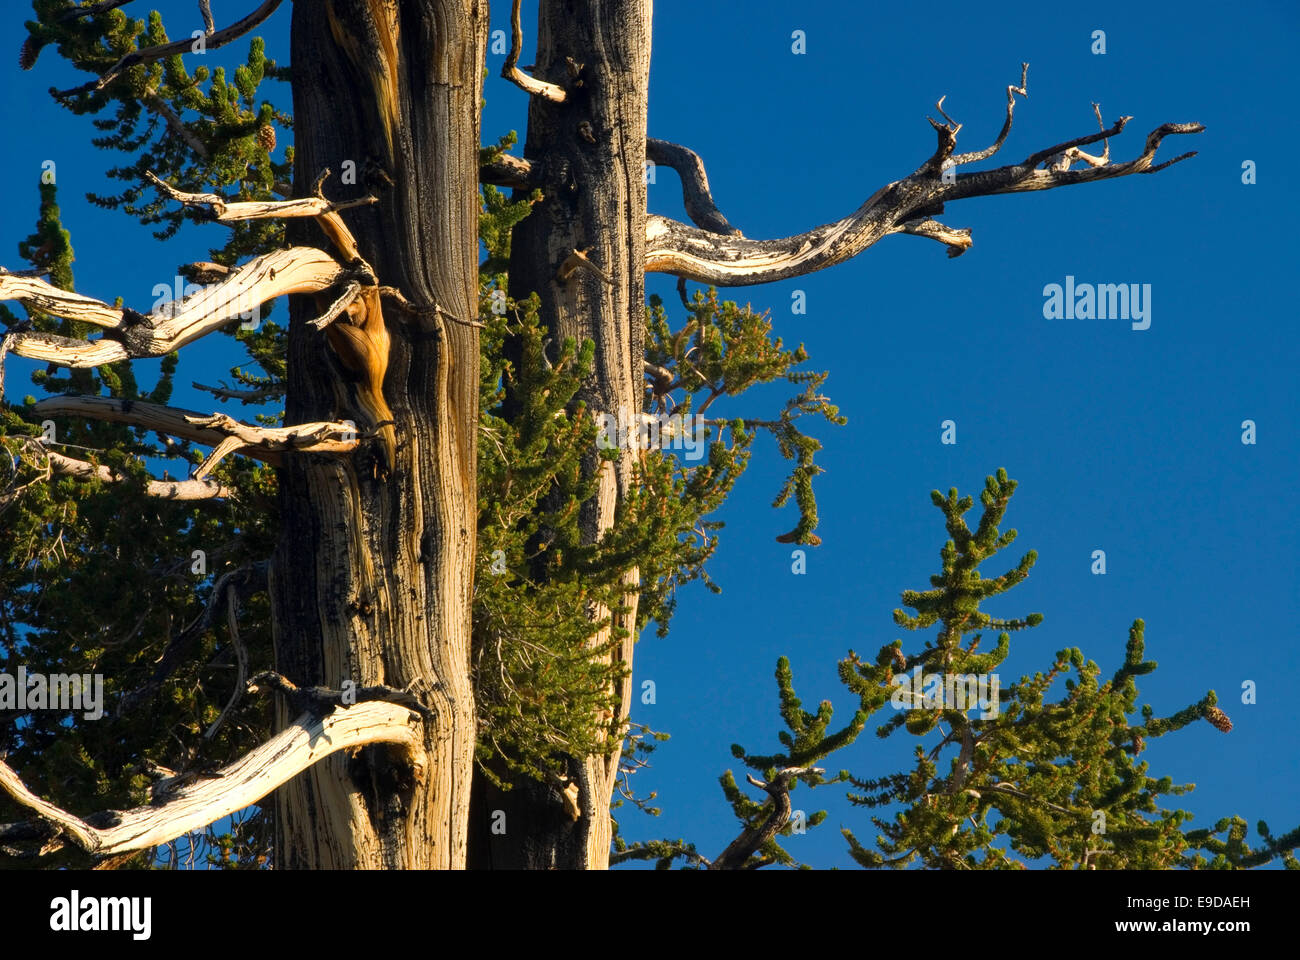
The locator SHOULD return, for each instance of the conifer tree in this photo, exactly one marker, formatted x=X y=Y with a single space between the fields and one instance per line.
x=418 y=544
x=1010 y=778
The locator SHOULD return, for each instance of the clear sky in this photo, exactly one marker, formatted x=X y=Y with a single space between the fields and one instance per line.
x=1127 y=441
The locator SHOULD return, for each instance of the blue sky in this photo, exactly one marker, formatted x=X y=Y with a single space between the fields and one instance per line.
x=1122 y=440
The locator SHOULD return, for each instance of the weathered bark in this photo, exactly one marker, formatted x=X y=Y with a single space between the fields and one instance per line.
x=191 y=805
x=372 y=578
x=587 y=154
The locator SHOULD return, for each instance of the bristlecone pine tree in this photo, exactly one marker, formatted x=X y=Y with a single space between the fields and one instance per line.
x=1030 y=782
x=403 y=595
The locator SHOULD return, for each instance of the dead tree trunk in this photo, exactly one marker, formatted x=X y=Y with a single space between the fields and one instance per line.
x=372 y=579
x=582 y=250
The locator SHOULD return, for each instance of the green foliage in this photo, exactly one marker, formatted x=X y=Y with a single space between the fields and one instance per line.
x=543 y=677
x=1032 y=782
x=85 y=589
x=197 y=131
x=725 y=350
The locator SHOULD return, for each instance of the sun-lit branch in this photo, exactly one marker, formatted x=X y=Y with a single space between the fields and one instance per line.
x=308 y=740
x=903 y=206
x=211 y=41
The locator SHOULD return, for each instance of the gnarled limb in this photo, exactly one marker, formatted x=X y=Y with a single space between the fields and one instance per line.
x=310 y=738
x=704 y=213
x=254 y=395
x=224 y=433
x=132 y=334
x=507 y=171
x=751 y=838
x=510 y=69
x=195 y=489
x=958 y=241
x=212 y=41
x=904 y=206
x=228 y=211
x=325 y=211
x=34 y=293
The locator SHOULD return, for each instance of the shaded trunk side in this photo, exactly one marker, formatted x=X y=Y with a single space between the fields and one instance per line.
x=589 y=152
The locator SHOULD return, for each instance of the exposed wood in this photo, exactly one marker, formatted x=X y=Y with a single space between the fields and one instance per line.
x=216 y=429
x=303 y=744
x=372 y=578
x=163 y=489
x=510 y=69
x=228 y=211
x=696 y=195
x=507 y=171
x=133 y=334
x=904 y=206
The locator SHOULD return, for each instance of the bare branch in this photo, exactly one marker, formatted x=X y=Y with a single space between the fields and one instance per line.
x=222 y=432
x=337 y=307
x=507 y=171
x=211 y=42
x=700 y=207
x=987 y=152
x=322 y=700
x=399 y=300
x=904 y=206
x=132 y=334
x=159 y=106
x=256 y=395
x=511 y=71
x=35 y=294
x=304 y=743
x=228 y=211
x=752 y=837
x=579 y=260
x=93 y=10
x=204 y=271
x=958 y=241
x=196 y=489
x=205 y=10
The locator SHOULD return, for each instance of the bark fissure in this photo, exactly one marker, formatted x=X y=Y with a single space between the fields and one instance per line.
x=354 y=595
x=587 y=153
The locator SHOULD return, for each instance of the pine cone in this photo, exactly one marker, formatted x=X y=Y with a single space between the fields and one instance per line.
x=1218 y=719
x=266 y=137
x=27 y=55
x=900 y=661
